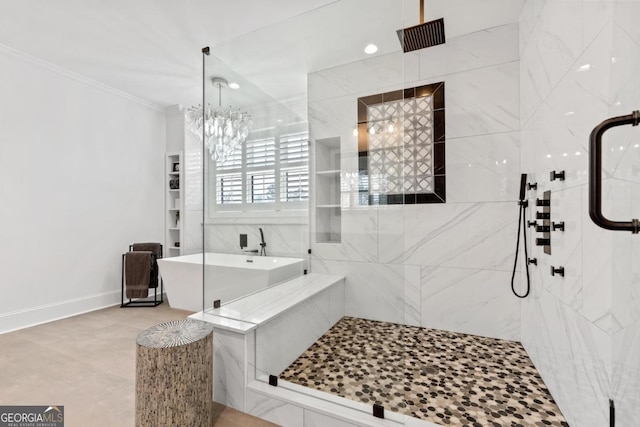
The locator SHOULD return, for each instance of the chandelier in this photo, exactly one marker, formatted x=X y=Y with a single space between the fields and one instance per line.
x=225 y=129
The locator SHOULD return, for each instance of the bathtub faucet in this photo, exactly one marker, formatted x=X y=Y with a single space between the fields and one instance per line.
x=263 y=245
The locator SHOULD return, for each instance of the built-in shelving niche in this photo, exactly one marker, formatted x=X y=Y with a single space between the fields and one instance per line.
x=328 y=212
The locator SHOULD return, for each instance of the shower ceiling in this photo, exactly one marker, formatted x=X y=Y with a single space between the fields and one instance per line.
x=151 y=48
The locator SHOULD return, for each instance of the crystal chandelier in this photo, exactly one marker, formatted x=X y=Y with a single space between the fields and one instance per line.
x=225 y=130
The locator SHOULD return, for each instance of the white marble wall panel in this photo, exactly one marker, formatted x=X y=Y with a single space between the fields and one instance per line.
x=626 y=371
x=315 y=419
x=391 y=230
x=560 y=127
x=483 y=168
x=274 y=410
x=566 y=247
x=528 y=18
x=359 y=239
x=553 y=46
x=282 y=239
x=280 y=341
x=572 y=78
x=337 y=116
x=477 y=302
x=482 y=101
x=366 y=75
x=372 y=291
x=412 y=295
x=462 y=235
x=596 y=14
x=626 y=248
x=230 y=368
x=597 y=267
x=573 y=356
x=480 y=49
x=191 y=233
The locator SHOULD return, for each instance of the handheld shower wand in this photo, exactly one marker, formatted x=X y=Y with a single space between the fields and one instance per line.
x=263 y=245
x=522 y=214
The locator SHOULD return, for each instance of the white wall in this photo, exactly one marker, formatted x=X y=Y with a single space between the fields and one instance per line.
x=443 y=266
x=579 y=62
x=82 y=178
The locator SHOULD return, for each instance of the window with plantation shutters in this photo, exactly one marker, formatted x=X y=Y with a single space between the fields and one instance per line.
x=229 y=189
x=295 y=184
x=294 y=170
x=270 y=172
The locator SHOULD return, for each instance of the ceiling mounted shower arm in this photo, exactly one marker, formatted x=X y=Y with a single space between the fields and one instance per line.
x=422 y=11
x=595 y=174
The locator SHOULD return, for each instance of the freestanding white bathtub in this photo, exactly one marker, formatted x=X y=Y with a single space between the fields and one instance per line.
x=227 y=277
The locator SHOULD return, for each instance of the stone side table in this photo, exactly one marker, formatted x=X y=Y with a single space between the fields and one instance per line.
x=174 y=374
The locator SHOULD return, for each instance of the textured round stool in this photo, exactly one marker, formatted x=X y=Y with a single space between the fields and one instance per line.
x=174 y=374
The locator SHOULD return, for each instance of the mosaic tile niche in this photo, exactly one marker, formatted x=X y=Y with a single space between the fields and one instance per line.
x=401 y=146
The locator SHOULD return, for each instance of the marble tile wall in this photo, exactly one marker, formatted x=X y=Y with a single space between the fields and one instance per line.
x=290 y=240
x=578 y=59
x=435 y=265
x=625 y=173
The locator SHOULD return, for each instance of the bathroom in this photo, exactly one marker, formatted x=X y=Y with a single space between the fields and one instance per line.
x=524 y=85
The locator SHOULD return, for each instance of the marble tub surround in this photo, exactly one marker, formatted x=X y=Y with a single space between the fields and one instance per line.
x=289 y=238
x=434 y=375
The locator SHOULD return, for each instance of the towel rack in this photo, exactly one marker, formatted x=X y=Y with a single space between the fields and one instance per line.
x=595 y=174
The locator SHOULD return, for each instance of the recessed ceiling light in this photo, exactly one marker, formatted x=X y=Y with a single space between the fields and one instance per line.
x=370 y=49
x=234 y=85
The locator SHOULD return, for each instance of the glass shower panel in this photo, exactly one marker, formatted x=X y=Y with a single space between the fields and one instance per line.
x=256 y=183
x=326 y=340
x=621 y=198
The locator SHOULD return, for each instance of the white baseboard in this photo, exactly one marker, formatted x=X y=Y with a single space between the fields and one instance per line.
x=47 y=313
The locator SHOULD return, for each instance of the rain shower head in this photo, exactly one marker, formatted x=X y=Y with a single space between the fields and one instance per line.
x=422 y=36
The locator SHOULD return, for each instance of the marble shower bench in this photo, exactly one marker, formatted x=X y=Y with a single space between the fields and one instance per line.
x=263 y=333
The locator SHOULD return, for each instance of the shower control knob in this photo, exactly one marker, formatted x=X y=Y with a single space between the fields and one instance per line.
x=559 y=271
x=556 y=175
x=532 y=224
x=543 y=242
x=543 y=215
x=543 y=202
x=558 y=226
x=533 y=261
x=532 y=186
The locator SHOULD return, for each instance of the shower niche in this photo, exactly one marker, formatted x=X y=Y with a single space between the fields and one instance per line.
x=328 y=211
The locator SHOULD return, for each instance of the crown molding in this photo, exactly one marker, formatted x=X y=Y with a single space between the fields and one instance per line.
x=77 y=77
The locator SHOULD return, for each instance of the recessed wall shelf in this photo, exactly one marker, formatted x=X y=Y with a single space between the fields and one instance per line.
x=173 y=203
x=328 y=213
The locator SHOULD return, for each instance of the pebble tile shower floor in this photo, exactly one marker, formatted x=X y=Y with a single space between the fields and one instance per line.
x=443 y=377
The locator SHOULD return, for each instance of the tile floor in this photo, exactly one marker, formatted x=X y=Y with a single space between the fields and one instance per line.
x=87 y=364
x=443 y=377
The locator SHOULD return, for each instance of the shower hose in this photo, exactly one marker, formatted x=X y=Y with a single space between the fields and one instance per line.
x=521 y=225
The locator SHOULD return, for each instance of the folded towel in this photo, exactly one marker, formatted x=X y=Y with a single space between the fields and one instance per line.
x=137 y=266
x=156 y=248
